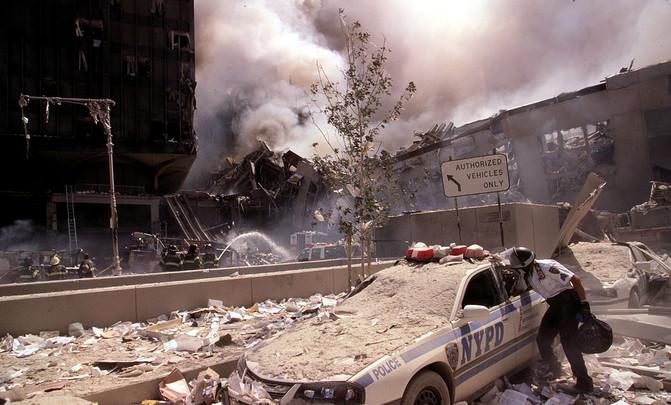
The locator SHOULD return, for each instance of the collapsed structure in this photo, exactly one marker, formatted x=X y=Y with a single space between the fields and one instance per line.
x=619 y=129
x=264 y=187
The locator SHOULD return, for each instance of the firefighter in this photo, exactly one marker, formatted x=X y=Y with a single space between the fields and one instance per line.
x=27 y=271
x=87 y=269
x=565 y=294
x=171 y=261
x=209 y=257
x=56 y=270
x=192 y=259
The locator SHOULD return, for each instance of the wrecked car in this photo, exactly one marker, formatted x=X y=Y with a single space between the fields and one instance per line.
x=430 y=332
x=618 y=275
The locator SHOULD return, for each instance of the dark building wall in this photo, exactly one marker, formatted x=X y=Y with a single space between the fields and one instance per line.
x=139 y=53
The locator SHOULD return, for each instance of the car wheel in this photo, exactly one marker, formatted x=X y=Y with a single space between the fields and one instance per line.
x=634 y=299
x=427 y=388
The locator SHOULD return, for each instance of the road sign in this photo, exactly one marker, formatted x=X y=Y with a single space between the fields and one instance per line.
x=478 y=175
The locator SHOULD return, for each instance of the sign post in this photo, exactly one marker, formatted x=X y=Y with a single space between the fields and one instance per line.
x=478 y=175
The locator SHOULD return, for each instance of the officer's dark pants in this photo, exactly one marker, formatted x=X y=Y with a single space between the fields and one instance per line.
x=560 y=319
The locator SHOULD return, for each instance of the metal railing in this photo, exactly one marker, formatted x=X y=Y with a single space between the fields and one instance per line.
x=105 y=188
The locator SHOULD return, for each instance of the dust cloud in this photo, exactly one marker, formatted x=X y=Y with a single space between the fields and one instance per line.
x=256 y=60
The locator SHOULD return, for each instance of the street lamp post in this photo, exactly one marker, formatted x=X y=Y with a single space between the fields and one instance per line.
x=99 y=109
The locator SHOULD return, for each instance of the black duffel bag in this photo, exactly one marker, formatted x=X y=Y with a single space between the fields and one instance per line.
x=594 y=336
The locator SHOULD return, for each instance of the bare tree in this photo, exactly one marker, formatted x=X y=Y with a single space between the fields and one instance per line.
x=355 y=169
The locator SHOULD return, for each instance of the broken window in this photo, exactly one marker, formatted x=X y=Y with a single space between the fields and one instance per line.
x=481 y=290
x=82 y=65
x=570 y=154
x=144 y=67
x=90 y=29
x=180 y=40
x=158 y=7
x=130 y=65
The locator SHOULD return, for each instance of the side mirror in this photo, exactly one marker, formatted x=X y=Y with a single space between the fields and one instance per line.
x=475 y=313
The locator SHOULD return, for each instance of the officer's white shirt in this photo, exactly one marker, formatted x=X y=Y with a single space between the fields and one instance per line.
x=549 y=278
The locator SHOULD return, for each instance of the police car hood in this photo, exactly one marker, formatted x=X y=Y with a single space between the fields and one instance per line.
x=405 y=302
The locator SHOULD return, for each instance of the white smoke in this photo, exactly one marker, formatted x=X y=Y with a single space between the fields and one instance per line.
x=256 y=59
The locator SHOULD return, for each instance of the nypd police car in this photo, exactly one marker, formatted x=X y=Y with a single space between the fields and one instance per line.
x=416 y=334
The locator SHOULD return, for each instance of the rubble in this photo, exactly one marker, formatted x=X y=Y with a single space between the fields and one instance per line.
x=125 y=352
x=615 y=382
x=262 y=187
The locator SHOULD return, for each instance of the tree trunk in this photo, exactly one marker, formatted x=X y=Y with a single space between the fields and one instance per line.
x=369 y=249
x=349 y=260
x=362 y=248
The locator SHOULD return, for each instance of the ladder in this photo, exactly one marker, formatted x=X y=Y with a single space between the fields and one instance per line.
x=72 y=222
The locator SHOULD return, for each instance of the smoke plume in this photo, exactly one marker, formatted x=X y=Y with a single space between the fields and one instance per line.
x=469 y=58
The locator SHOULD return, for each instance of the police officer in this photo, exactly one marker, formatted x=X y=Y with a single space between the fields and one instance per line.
x=565 y=294
x=192 y=259
x=209 y=257
x=87 y=269
x=171 y=261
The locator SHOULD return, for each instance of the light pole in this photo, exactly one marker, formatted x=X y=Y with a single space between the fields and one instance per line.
x=99 y=109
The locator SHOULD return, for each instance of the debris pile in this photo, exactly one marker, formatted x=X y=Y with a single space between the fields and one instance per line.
x=264 y=187
x=656 y=212
x=99 y=358
x=630 y=372
x=265 y=182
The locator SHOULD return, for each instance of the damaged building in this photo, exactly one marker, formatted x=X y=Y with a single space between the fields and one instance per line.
x=141 y=55
x=263 y=190
x=619 y=129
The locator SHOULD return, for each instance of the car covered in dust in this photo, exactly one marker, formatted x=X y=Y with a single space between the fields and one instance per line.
x=619 y=275
x=415 y=333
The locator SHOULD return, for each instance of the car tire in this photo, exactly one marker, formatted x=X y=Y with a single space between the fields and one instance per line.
x=427 y=388
x=634 y=299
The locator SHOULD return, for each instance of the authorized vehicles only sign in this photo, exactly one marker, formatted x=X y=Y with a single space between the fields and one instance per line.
x=478 y=175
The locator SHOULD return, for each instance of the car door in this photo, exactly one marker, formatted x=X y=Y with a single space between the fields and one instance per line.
x=484 y=346
x=530 y=308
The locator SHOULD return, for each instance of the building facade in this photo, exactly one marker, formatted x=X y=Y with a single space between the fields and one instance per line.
x=140 y=54
x=620 y=129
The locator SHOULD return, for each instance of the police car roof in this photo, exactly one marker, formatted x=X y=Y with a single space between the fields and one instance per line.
x=405 y=302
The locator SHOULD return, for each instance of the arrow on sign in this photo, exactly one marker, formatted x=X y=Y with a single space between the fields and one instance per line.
x=451 y=178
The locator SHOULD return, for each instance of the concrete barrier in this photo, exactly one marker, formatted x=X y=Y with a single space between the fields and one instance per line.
x=151 y=278
x=22 y=314
x=148 y=389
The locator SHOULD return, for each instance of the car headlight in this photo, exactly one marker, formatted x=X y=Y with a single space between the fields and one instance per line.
x=608 y=292
x=333 y=392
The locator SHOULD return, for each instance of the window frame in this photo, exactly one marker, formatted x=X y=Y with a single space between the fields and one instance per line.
x=500 y=297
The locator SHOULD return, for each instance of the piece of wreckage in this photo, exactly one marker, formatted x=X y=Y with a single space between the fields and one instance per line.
x=263 y=187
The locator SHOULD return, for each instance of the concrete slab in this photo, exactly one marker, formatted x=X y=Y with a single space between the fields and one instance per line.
x=291 y=284
x=23 y=314
x=55 y=311
x=136 y=279
x=656 y=328
x=162 y=298
x=134 y=393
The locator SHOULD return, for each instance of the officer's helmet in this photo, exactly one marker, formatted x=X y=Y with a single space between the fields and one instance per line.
x=521 y=258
